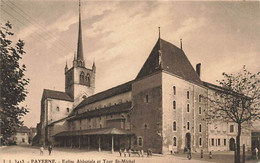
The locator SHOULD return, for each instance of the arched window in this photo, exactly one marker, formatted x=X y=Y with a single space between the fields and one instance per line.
x=88 y=79
x=188 y=107
x=200 y=98
x=58 y=109
x=68 y=109
x=188 y=95
x=188 y=125
x=174 y=142
x=100 y=126
x=200 y=128
x=200 y=141
x=174 y=126
x=140 y=141
x=145 y=126
x=174 y=105
x=81 y=77
x=200 y=110
x=174 y=90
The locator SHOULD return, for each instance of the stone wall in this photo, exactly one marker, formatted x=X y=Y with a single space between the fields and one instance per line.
x=181 y=115
x=146 y=116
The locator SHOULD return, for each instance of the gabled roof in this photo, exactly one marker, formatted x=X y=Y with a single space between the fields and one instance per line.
x=106 y=94
x=119 y=108
x=56 y=95
x=172 y=60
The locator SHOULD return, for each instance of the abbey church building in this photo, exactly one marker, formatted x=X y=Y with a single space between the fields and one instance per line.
x=162 y=109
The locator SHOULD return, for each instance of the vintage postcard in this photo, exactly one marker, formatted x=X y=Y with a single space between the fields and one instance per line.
x=129 y=81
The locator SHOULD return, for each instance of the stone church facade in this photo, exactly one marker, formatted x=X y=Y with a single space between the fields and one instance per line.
x=162 y=109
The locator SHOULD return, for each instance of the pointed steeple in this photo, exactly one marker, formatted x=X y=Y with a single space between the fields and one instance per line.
x=66 y=67
x=80 y=57
x=94 y=66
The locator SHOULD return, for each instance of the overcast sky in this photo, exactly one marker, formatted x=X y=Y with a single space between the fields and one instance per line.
x=119 y=36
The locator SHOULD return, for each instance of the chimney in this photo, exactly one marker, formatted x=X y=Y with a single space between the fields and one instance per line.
x=198 y=66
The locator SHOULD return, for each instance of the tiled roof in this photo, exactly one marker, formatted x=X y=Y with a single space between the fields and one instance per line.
x=119 y=108
x=97 y=131
x=173 y=60
x=106 y=94
x=56 y=95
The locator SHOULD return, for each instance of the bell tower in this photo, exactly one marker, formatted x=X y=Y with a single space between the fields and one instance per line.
x=79 y=80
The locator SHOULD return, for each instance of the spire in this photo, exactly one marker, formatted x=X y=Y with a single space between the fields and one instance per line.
x=181 y=43
x=159 y=28
x=66 y=67
x=80 y=58
x=94 y=66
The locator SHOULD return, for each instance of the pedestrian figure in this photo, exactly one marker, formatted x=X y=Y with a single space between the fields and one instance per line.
x=142 y=153
x=125 y=152
x=120 y=152
x=256 y=153
x=50 y=149
x=129 y=152
x=189 y=154
x=210 y=155
x=41 y=150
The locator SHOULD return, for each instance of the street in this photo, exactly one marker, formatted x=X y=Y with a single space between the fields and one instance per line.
x=31 y=154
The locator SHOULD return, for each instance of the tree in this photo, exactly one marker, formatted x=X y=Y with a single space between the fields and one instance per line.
x=237 y=101
x=12 y=83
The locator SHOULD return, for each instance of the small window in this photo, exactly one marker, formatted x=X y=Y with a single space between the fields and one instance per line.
x=174 y=90
x=218 y=142
x=174 y=126
x=225 y=142
x=89 y=126
x=174 y=141
x=174 y=104
x=58 y=109
x=200 y=141
x=212 y=142
x=68 y=109
x=200 y=128
x=232 y=128
x=100 y=126
x=145 y=126
x=188 y=95
x=188 y=107
x=200 y=98
x=146 y=98
x=200 y=110
x=80 y=124
x=188 y=125
x=140 y=141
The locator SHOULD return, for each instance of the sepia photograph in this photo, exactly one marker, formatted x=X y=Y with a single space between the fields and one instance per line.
x=118 y=81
